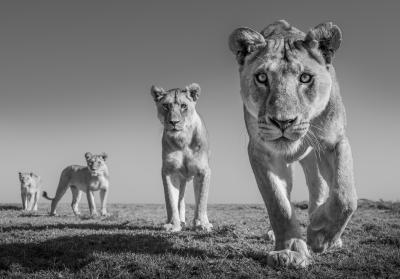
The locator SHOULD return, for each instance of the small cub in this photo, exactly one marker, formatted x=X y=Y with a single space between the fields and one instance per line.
x=30 y=190
x=185 y=154
x=93 y=177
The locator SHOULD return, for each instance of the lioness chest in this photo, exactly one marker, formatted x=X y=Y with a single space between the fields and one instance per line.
x=187 y=162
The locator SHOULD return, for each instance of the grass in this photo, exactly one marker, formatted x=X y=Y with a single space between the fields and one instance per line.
x=130 y=244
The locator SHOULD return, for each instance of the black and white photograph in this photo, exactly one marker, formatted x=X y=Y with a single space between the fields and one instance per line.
x=199 y=139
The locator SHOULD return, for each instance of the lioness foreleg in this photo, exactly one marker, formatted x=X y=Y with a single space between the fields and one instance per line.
x=274 y=180
x=103 y=198
x=172 y=184
x=91 y=203
x=24 y=202
x=201 y=184
x=181 y=202
x=330 y=219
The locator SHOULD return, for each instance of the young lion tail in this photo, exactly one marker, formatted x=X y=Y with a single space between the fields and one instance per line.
x=46 y=196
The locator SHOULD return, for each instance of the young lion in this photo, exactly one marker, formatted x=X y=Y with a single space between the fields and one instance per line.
x=93 y=177
x=185 y=154
x=30 y=190
x=293 y=112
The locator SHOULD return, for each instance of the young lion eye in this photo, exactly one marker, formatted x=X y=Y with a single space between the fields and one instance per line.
x=165 y=107
x=261 y=78
x=183 y=106
x=305 y=78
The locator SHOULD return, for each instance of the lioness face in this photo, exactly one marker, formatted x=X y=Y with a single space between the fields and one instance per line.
x=285 y=83
x=96 y=163
x=26 y=179
x=176 y=107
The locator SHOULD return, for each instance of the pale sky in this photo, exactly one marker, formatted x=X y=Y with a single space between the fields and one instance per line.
x=76 y=76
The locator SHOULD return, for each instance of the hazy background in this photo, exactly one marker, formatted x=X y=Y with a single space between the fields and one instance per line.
x=75 y=77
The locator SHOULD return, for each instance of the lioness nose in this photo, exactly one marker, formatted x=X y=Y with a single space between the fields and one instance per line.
x=174 y=122
x=282 y=124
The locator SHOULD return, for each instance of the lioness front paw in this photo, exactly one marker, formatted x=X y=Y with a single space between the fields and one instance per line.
x=172 y=227
x=104 y=213
x=202 y=225
x=287 y=258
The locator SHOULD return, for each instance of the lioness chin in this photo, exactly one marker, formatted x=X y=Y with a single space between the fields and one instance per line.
x=293 y=112
x=86 y=179
x=185 y=154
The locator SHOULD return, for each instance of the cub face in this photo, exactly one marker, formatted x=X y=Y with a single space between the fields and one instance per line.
x=176 y=107
x=286 y=80
x=27 y=179
x=96 y=163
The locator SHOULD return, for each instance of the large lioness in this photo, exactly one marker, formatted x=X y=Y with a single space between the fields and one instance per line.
x=88 y=179
x=185 y=154
x=30 y=190
x=293 y=112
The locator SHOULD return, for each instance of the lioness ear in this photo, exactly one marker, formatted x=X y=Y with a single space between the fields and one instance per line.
x=20 y=174
x=327 y=37
x=31 y=174
x=244 y=41
x=104 y=156
x=157 y=93
x=194 y=91
x=88 y=155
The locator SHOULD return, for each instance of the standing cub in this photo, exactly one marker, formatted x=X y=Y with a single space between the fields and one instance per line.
x=30 y=190
x=93 y=177
x=185 y=154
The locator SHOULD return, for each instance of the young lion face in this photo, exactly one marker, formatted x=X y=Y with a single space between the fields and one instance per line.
x=286 y=80
x=175 y=107
x=96 y=163
x=27 y=179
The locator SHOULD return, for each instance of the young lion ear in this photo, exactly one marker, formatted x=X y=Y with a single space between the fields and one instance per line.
x=194 y=91
x=88 y=155
x=157 y=93
x=327 y=37
x=104 y=156
x=244 y=41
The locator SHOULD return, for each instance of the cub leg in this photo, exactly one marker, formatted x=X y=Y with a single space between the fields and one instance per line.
x=29 y=202
x=317 y=186
x=91 y=203
x=181 y=202
x=171 y=189
x=201 y=184
x=24 y=201
x=103 y=198
x=35 y=201
x=274 y=180
x=76 y=197
x=328 y=221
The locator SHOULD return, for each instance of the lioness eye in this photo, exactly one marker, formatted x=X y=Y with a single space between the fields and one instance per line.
x=305 y=78
x=262 y=78
x=183 y=106
x=165 y=106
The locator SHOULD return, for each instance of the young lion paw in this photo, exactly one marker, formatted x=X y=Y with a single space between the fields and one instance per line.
x=287 y=258
x=172 y=228
x=203 y=226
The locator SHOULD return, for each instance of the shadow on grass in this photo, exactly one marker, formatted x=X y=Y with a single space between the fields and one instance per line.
x=10 y=207
x=75 y=252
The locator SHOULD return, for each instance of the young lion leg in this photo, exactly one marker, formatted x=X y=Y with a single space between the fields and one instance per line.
x=328 y=221
x=35 y=201
x=76 y=197
x=274 y=180
x=103 y=198
x=91 y=203
x=171 y=189
x=317 y=186
x=181 y=202
x=23 y=198
x=201 y=184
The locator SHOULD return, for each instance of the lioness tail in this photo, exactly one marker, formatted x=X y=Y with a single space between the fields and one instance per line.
x=46 y=196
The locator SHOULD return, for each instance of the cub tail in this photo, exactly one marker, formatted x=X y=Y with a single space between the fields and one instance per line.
x=46 y=196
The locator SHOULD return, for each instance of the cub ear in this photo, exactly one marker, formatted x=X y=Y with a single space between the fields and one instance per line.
x=88 y=155
x=104 y=156
x=157 y=93
x=327 y=37
x=20 y=174
x=31 y=174
x=244 y=41
x=194 y=91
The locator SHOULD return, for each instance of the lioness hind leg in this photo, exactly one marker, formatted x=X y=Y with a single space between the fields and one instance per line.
x=76 y=197
x=329 y=220
x=274 y=180
x=172 y=184
x=201 y=184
